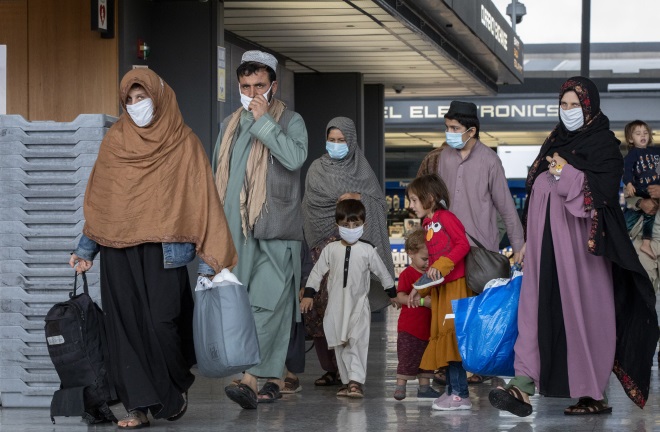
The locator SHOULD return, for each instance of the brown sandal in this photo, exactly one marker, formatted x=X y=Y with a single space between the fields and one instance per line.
x=355 y=390
x=511 y=399
x=343 y=391
x=291 y=385
x=588 y=406
x=477 y=379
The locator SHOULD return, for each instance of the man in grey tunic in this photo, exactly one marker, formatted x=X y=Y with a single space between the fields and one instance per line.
x=257 y=161
x=475 y=178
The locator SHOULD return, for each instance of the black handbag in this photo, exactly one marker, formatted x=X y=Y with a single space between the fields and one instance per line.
x=295 y=355
x=378 y=298
x=483 y=265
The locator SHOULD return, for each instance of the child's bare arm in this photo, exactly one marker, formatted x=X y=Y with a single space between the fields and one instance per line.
x=307 y=300
x=306 y=305
x=427 y=302
x=413 y=298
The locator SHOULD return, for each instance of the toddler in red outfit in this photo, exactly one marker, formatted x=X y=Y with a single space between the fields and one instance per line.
x=414 y=325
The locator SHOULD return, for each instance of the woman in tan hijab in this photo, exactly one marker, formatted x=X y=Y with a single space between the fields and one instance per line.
x=150 y=205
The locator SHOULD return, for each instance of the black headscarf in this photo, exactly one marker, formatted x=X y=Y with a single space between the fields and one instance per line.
x=594 y=150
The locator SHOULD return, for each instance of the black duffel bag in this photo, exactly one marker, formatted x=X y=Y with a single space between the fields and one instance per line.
x=483 y=265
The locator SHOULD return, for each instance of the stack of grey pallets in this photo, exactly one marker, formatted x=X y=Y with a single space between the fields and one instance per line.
x=44 y=168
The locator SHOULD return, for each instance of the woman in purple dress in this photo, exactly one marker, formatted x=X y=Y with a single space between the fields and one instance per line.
x=586 y=305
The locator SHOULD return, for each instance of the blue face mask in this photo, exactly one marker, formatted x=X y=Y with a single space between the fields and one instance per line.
x=336 y=150
x=455 y=139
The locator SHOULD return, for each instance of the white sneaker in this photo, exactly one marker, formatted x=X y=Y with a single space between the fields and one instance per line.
x=452 y=403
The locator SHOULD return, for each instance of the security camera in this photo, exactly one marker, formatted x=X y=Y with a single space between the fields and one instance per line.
x=398 y=88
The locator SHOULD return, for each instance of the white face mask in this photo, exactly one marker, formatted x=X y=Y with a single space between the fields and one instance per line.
x=573 y=118
x=351 y=235
x=141 y=112
x=245 y=100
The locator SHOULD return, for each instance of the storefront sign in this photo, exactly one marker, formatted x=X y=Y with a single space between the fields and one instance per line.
x=510 y=112
x=489 y=110
x=494 y=30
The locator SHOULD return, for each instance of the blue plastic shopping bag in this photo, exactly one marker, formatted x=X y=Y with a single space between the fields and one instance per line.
x=487 y=327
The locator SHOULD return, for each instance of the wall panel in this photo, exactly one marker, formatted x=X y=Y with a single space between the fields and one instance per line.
x=72 y=70
x=13 y=33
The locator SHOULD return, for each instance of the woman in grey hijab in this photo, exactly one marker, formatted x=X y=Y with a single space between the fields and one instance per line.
x=343 y=172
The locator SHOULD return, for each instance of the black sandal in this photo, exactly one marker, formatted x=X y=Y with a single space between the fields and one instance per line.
x=588 y=406
x=511 y=400
x=242 y=394
x=271 y=391
x=440 y=377
x=328 y=379
x=183 y=410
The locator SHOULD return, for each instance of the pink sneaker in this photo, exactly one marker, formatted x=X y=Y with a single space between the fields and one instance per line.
x=442 y=397
x=451 y=403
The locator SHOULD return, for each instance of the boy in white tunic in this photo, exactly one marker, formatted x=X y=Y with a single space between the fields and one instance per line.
x=349 y=263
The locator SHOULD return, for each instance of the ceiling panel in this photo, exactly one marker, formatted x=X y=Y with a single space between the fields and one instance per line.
x=337 y=36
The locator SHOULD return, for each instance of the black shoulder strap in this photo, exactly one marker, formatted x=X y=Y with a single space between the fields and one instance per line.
x=475 y=241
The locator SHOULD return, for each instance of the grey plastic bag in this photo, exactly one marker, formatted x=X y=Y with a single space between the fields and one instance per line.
x=223 y=327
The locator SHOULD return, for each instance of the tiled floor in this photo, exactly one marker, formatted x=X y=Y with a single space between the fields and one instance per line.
x=317 y=409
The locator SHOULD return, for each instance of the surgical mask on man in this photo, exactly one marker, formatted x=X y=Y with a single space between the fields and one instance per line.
x=573 y=118
x=455 y=139
x=245 y=100
x=141 y=112
x=336 y=150
x=351 y=235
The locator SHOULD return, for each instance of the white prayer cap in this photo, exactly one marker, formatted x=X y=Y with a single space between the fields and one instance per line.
x=260 y=57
